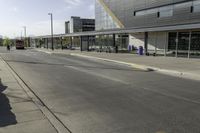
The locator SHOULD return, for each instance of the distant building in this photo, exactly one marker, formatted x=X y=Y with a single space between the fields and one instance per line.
x=77 y=24
x=67 y=27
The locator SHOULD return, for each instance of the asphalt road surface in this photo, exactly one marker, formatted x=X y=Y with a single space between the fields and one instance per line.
x=91 y=96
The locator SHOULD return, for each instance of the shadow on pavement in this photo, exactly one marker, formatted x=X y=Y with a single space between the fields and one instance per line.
x=6 y=116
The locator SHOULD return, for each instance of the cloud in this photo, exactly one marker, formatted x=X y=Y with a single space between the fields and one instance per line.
x=72 y=3
x=14 y=9
x=43 y=27
x=37 y=21
x=92 y=7
x=36 y=29
x=10 y=31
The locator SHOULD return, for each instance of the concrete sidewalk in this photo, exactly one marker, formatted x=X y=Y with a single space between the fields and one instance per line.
x=181 y=67
x=18 y=113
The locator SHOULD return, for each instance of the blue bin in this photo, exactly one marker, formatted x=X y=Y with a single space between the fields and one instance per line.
x=129 y=48
x=141 y=51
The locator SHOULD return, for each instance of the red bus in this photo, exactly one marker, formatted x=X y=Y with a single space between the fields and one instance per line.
x=19 y=44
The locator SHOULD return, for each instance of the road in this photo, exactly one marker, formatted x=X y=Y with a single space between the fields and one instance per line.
x=91 y=96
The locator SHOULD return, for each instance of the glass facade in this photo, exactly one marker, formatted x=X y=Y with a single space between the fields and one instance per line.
x=110 y=14
x=195 y=41
x=167 y=11
x=172 y=41
x=183 y=41
x=103 y=19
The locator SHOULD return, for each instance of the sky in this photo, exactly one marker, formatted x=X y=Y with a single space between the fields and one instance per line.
x=15 y=14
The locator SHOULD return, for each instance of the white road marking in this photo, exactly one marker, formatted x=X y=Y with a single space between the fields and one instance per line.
x=98 y=75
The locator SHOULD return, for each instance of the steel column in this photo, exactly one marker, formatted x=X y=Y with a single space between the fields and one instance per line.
x=88 y=43
x=189 y=46
x=71 y=41
x=177 y=34
x=61 y=42
x=47 y=43
x=81 y=42
x=146 y=37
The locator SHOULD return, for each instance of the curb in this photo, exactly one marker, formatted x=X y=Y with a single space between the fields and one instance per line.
x=115 y=61
x=55 y=122
x=185 y=75
x=174 y=73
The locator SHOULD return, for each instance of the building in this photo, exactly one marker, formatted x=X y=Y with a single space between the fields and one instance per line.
x=77 y=24
x=67 y=27
x=167 y=27
x=160 y=26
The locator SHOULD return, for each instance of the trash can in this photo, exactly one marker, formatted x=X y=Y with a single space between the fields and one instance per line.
x=141 y=51
x=129 y=48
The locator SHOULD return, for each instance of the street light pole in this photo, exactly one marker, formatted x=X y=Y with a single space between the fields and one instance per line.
x=21 y=34
x=25 y=36
x=51 y=15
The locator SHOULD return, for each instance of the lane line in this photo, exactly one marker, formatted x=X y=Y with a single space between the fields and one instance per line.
x=98 y=75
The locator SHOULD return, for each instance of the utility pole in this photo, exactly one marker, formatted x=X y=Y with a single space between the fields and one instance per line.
x=51 y=15
x=21 y=34
x=25 y=41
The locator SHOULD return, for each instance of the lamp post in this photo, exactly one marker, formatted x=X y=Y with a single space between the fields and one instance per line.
x=21 y=35
x=51 y=15
x=25 y=36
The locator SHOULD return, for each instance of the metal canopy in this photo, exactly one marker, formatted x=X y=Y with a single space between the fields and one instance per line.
x=127 y=31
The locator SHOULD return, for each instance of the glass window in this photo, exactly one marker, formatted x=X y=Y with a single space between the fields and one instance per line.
x=140 y=13
x=196 y=2
x=152 y=11
x=195 y=44
x=172 y=41
x=146 y=12
x=183 y=5
x=196 y=6
x=183 y=40
x=166 y=11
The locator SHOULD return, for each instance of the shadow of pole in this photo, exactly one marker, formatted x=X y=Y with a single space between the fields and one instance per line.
x=6 y=116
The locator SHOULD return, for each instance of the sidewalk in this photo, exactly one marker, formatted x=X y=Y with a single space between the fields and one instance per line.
x=18 y=113
x=181 y=67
